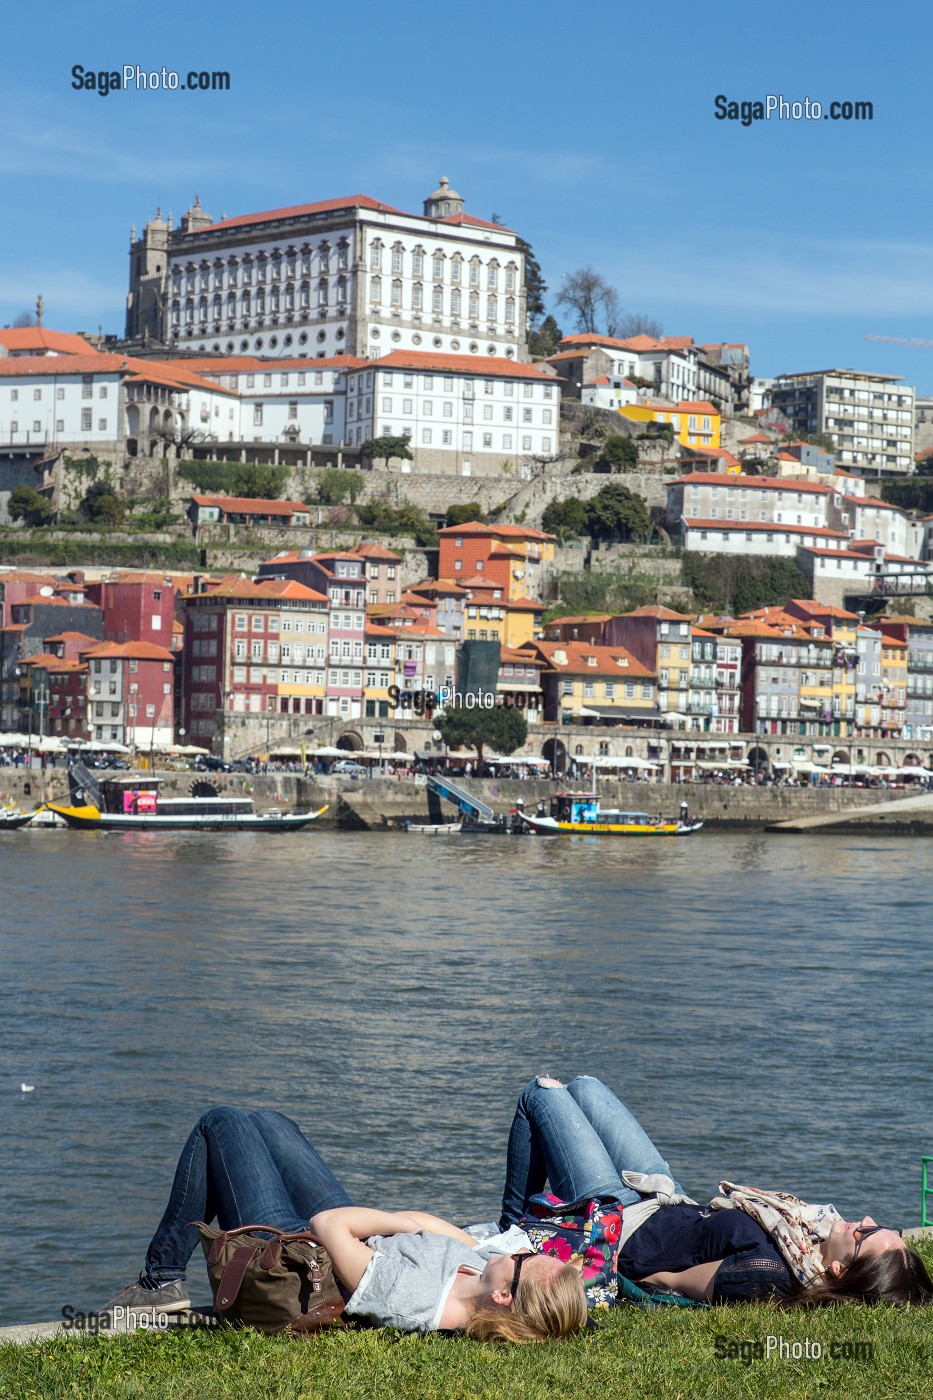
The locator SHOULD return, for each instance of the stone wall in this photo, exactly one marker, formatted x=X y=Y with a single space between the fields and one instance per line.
x=376 y=801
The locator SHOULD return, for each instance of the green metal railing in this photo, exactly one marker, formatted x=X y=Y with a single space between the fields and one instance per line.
x=926 y=1191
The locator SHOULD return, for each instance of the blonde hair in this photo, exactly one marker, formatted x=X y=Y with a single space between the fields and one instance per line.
x=541 y=1309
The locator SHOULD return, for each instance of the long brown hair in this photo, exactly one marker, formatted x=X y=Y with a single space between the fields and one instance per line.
x=541 y=1309
x=897 y=1276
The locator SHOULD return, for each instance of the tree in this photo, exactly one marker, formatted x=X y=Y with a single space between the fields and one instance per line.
x=24 y=319
x=463 y=514
x=737 y=583
x=28 y=505
x=616 y=513
x=545 y=339
x=502 y=729
x=261 y=481
x=637 y=323
x=385 y=448
x=101 y=505
x=535 y=285
x=565 y=518
x=617 y=454
x=336 y=485
x=592 y=300
x=179 y=437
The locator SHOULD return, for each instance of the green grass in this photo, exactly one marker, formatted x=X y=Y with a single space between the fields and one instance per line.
x=634 y=1354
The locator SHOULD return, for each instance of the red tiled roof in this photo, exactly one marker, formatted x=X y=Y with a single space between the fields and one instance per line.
x=368 y=549
x=610 y=661
x=250 y=364
x=298 y=211
x=767 y=525
x=657 y=610
x=484 y=367
x=167 y=373
x=140 y=651
x=233 y=587
x=634 y=342
x=38 y=338
x=764 y=483
x=244 y=505
x=472 y=222
x=476 y=527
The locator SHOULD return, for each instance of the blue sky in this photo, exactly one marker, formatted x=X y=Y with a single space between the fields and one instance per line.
x=591 y=130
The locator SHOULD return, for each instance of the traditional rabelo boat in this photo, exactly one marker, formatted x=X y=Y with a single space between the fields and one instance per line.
x=136 y=804
x=581 y=814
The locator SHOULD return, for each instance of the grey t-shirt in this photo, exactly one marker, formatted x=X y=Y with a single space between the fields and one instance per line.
x=409 y=1278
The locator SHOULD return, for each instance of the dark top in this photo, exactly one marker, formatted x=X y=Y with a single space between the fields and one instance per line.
x=677 y=1237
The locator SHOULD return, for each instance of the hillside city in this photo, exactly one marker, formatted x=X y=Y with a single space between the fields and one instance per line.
x=341 y=462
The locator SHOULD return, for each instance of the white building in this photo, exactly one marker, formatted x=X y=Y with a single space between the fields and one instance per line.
x=462 y=416
x=755 y=537
x=111 y=405
x=338 y=276
x=611 y=391
x=717 y=497
x=668 y=363
x=286 y=401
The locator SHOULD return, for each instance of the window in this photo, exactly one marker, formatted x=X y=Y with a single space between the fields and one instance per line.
x=257 y=415
x=85 y=421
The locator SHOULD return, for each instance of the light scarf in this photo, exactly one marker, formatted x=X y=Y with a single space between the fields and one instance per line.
x=796 y=1228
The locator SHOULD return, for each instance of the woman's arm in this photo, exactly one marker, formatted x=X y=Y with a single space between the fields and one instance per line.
x=343 y=1230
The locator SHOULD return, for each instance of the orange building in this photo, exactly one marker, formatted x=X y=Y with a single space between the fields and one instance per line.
x=514 y=558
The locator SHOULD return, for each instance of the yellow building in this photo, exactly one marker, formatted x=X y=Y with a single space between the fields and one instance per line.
x=696 y=422
x=893 y=685
x=582 y=681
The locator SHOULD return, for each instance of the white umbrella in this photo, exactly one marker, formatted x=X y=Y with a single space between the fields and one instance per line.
x=328 y=751
x=584 y=713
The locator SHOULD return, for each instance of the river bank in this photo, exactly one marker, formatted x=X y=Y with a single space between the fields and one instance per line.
x=384 y=803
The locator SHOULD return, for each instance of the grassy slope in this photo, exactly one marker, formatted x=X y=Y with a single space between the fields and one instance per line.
x=635 y=1353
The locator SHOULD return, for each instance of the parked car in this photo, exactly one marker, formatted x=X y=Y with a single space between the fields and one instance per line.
x=350 y=768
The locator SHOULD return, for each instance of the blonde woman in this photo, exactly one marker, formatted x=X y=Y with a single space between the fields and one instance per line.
x=400 y=1269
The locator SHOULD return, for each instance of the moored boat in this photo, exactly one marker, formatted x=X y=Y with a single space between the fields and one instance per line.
x=136 y=804
x=581 y=814
x=11 y=818
x=438 y=829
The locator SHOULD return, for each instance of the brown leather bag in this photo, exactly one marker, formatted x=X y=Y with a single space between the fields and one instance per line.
x=283 y=1284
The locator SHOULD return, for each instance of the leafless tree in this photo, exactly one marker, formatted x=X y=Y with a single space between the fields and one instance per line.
x=587 y=295
x=637 y=323
x=179 y=437
x=25 y=318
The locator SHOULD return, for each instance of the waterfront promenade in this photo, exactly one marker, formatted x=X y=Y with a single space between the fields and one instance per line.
x=384 y=802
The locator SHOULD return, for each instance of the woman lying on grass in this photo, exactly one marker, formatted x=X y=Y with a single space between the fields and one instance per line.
x=747 y=1244
x=397 y=1269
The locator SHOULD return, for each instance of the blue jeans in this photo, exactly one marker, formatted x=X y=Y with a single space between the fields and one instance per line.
x=240 y=1169
x=580 y=1139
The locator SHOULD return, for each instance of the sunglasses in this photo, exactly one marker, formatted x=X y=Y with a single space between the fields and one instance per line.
x=517 y=1272
x=861 y=1233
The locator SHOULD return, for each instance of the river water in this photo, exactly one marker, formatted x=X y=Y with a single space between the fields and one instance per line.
x=761 y=1003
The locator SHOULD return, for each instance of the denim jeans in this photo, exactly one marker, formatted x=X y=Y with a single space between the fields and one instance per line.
x=580 y=1139
x=240 y=1169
